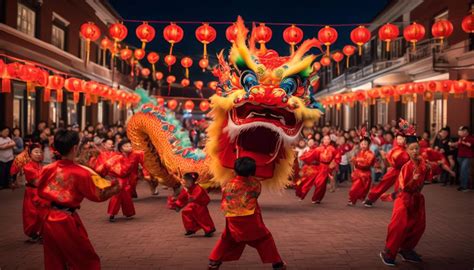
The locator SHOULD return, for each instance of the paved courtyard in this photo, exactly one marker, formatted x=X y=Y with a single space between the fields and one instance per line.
x=327 y=236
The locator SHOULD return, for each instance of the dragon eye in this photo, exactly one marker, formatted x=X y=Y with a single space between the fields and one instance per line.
x=289 y=84
x=248 y=79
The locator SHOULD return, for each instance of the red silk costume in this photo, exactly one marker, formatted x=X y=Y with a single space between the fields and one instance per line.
x=136 y=158
x=66 y=244
x=434 y=158
x=195 y=214
x=408 y=217
x=244 y=223
x=323 y=156
x=361 y=177
x=397 y=157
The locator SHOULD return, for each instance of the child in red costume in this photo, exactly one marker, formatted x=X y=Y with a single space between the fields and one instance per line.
x=361 y=177
x=408 y=217
x=437 y=162
x=244 y=223
x=65 y=184
x=193 y=201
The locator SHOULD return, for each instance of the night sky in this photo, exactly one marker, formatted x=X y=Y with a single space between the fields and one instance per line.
x=310 y=12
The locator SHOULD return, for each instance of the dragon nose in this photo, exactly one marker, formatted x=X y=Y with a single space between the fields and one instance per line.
x=268 y=94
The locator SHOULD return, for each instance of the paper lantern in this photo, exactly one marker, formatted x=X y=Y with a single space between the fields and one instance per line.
x=467 y=24
x=348 y=50
x=145 y=33
x=205 y=34
x=185 y=82
x=231 y=33
x=105 y=44
x=327 y=36
x=172 y=104
x=419 y=88
x=189 y=105
x=160 y=101
x=173 y=34
x=153 y=58
x=126 y=53
x=118 y=32
x=262 y=35
x=14 y=70
x=170 y=80
x=360 y=36
x=158 y=75
x=442 y=29
x=360 y=95
x=56 y=82
x=145 y=72
x=292 y=35
x=198 y=85
x=186 y=62
x=90 y=32
x=388 y=33
x=325 y=61
x=414 y=33
x=203 y=64
x=139 y=54
x=212 y=85
x=74 y=85
x=29 y=74
x=170 y=60
x=204 y=105
x=6 y=86
x=337 y=57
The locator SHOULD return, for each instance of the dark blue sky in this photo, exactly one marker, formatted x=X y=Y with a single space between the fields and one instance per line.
x=309 y=12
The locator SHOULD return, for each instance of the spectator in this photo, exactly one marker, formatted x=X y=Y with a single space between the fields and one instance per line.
x=6 y=157
x=19 y=144
x=465 y=146
x=442 y=142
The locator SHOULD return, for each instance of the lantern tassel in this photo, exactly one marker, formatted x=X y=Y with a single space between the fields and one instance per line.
x=387 y=46
x=292 y=49
x=187 y=73
x=205 y=50
x=143 y=45
x=171 y=49
x=104 y=55
x=30 y=87
x=347 y=62
x=169 y=89
x=154 y=71
x=263 y=48
x=414 y=46
x=47 y=94
x=6 y=86
x=88 y=99
x=337 y=68
x=88 y=50
x=76 y=97
x=360 y=49
x=327 y=50
x=59 y=95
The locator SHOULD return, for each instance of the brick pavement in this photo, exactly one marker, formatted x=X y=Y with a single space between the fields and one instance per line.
x=328 y=236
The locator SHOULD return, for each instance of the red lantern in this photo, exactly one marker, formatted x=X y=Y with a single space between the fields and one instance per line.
x=262 y=35
x=337 y=56
x=387 y=92
x=348 y=50
x=432 y=86
x=316 y=66
x=145 y=33
x=187 y=62
x=139 y=54
x=373 y=93
x=212 y=85
x=29 y=74
x=325 y=61
x=203 y=64
x=199 y=84
x=185 y=82
x=90 y=32
x=56 y=82
x=460 y=87
x=74 y=85
x=105 y=44
x=419 y=88
x=204 y=105
x=170 y=60
x=327 y=36
x=389 y=32
x=152 y=58
x=6 y=86
x=231 y=33
x=126 y=53
x=160 y=101
x=173 y=34
x=414 y=33
x=442 y=29
x=158 y=75
x=145 y=72
x=170 y=80
x=172 y=104
x=468 y=23
x=360 y=36
x=205 y=34
x=189 y=105
x=293 y=35
x=118 y=32
x=360 y=95
x=15 y=69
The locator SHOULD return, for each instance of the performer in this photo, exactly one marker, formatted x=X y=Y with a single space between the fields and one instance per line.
x=106 y=153
x=396 y=158
x=361 y=177
x=65 y=184
x=137 y=159
x=408 y=217
x=244 y=223
x=326 y=157
x=193 y=201
x=34 y=208
x=437 y=163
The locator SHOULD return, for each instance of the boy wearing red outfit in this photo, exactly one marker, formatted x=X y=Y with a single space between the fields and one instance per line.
x=361 y=177
x=65 y=184
x=408 y=220
x=244 y=223
x=193 y=201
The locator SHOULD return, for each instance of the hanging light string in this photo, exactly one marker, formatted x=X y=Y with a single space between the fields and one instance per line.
x=230 y=23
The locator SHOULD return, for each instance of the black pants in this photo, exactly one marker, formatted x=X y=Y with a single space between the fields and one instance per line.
x=5 y=177
x=344 y=173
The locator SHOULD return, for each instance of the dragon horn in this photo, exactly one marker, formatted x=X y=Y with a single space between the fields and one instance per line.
x=242 y=49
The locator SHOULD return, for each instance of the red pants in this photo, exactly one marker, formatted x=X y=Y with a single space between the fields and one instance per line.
x=197 y=217
x=318 y=179
x=66 y=244
x=34 y=211
x=388 y=180
x=407 y=224
x=361 y=180
x=124 y=200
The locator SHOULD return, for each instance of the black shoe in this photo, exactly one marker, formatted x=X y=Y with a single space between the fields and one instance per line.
x=368 y=204
x=410 y=256
x=213 y=265
x=210 y=234
x=188 y=233
x=112 y=219
x=386 y=260
x=279 y=266
x=461 y=189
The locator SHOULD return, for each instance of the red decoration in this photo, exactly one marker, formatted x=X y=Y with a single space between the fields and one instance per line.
x=74 y=85
x=145 y=33
x=105 y=43
x=126 y=53
x=328 y=36
x=187 y=62
x=29 y=74
x=170 y=80
x=212 y=85
x=348 y=50
x=468 y=23
x=316 y=66
x=360 y=95
x=231 y=33
x=185 y=82
x=262 y=35
x=118 y=32
x=337 y=56
x=203 y=64
x=189 y=105
x=173 y=34
x=90 y=32
x=205 y=34
x=442 y=29
x=414 y=33
x=160 y=101
x=360 y=36
x=158 y=75
x=170 y=60
x=56 y=82
x=145 y=72
x=293 y=35
x=152 y=58
x=199 y=84
x=388 y=33
x=6 y=86
x=325 y=61
x=204 y=105
x=139 y=54
x=172 y=104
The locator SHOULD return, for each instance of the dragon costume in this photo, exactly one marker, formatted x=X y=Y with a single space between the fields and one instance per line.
x=262 y=102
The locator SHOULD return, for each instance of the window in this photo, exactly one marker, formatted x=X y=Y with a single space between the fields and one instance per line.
x=58 y=37
x=365 y=113
x=100 y=112
x=346 y=110
x=382 y=112
x=72 y=116
x=26 y=20
x=409 y=111
x=438 y=114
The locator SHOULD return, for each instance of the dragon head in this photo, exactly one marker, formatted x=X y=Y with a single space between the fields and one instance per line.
x=263 y=102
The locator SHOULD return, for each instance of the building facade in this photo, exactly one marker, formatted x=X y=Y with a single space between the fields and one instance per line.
x=47 y=32
x=453 y=60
